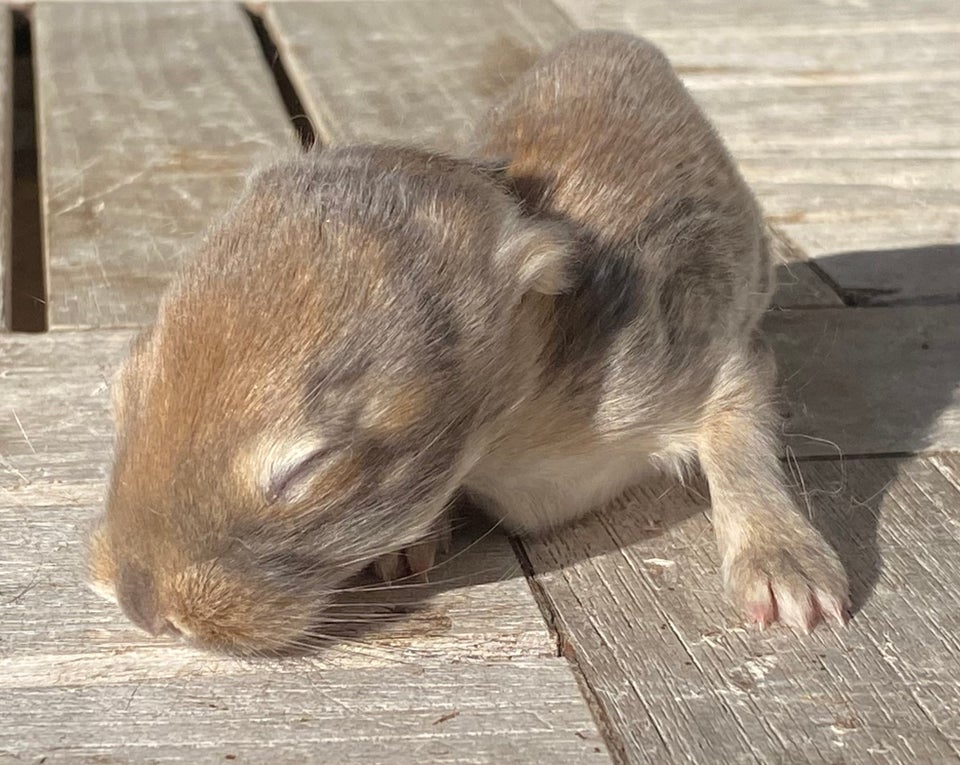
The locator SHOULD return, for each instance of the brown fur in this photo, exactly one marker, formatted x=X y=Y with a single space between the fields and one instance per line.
x=372 y=328
x=345 y=325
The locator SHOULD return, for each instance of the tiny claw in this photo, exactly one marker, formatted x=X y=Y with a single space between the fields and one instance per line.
x=420 y=559
x=388 y=567
x=842 y=616
x=834 y=610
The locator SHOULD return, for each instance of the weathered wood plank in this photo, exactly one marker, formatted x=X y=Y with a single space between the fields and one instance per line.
x=879 y=119
x=818 y=54
x=869 y=381
x=6 y=166
x=513 y=712
x=898 y=206
x=419 y=70
x=471 y=677
x=825 y=138
x=829 y=218
x=867 y=125
x=840 y=116
x=149 y=116
x=787 y=19
x=637 y=598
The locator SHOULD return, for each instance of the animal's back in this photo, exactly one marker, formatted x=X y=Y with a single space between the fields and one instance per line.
x=603 y=134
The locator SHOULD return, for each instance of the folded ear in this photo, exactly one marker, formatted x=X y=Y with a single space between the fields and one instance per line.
x=537 y=255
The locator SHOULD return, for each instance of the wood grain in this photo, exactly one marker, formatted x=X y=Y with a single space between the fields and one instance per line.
x=514 y=712
x=414 y=70
x=472 y=676
x=149 y=117
x=870 y=380
x=858 y=166
x=638 y=601
x=813 y=55
x=761 y=16
x=821 y=122
x=827 y=219
x=841 y=118
x=6 y=166
x=848 y=152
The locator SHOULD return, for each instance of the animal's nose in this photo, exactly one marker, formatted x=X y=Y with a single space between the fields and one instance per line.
x=138 y=599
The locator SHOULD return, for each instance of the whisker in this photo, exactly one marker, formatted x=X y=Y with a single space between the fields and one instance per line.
x=362 y=619
x=412 y=584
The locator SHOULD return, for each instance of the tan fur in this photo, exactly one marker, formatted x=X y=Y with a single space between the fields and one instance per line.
x=102 y=565
x=304 y=402
x=394 y=410
x=372 y=329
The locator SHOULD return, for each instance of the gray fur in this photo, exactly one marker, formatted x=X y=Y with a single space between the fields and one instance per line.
x=653 y=354
x=372 y=328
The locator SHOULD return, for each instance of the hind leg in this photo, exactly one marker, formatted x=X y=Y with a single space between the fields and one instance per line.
x=775 y=564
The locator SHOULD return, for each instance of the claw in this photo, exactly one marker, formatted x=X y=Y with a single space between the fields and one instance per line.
x=389 y=567
x=799 y=587
x=420 y=559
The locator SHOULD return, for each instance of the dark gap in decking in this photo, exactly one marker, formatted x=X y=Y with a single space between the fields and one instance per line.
x=838 y=457
x=291 y=100
x=565 y=650
x=857 y=297
x=543 y=602
x=843 y=294
x=28 y=294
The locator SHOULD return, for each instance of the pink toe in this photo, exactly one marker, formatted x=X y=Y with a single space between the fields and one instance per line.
x=762 y=614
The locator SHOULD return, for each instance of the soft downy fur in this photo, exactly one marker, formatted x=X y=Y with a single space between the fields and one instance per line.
x=310 y=396
x=652 y=357
x=371 y=329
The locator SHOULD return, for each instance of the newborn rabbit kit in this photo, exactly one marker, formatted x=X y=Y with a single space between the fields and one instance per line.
x=563 y=313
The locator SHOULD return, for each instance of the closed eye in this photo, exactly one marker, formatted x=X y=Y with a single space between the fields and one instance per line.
x=287 y=482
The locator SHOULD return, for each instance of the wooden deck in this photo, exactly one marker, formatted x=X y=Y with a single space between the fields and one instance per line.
x=610 y=641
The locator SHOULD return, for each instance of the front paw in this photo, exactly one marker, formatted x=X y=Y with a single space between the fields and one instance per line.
x=798 y=580
x=419 y=559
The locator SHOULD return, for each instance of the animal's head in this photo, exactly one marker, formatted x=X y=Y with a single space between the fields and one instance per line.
x=312 y=390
